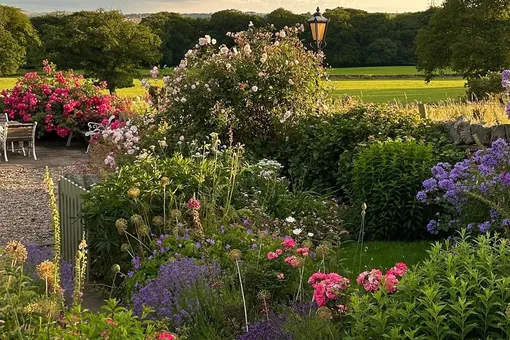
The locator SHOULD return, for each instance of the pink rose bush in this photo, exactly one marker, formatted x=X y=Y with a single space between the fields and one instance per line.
x=60 y=102
x=374 y=279
x=327 y=287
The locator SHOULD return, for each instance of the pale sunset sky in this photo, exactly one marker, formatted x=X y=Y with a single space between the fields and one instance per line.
x=208 y=6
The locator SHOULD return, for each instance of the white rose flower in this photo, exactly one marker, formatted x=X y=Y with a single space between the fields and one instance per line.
x=208 y=39
x=202 y=41
x=250 y=24
x=213 y=41
x=290 y=219
x=283 y=34
x=181 y=139
x=247 y=49
x=224 y=50
x=162 y=143
x=310 y=234
x=297 y=231
x=193 y=86
x=254 y=88
x=183 y=100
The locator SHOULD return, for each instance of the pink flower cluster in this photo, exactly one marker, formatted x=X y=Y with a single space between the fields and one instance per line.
x=193 y=204
x=292 y=260
x=60 y=102
x=327 y=287
x=371 y=280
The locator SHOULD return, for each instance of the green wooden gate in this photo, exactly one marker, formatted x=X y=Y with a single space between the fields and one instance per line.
x=71 y=189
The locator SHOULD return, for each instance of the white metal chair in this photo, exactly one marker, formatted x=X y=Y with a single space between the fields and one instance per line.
x=94 y=128
x=20 y=133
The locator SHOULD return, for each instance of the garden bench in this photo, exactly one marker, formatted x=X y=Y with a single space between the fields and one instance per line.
x=13 y=132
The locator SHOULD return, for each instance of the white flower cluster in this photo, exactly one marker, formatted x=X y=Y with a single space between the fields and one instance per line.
x=125 y=138
x=269 y=169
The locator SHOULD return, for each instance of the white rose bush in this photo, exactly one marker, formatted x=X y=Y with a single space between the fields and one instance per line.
x=248 y=92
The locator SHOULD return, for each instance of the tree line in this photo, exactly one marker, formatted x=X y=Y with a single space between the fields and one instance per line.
x=469 y=37
x=355 y=37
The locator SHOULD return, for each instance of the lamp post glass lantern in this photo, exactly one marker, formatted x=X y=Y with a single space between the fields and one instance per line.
x=318 y=27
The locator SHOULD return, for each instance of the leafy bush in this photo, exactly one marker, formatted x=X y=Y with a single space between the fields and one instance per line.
x=460 y=292
x=486 y=87
x=472 y=194
x=60 y=102
x=246 y=93
x=319 y=150
x=386 y=177
x=193 y=193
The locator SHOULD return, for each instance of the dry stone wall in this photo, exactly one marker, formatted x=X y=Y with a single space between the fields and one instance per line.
x=462 y=132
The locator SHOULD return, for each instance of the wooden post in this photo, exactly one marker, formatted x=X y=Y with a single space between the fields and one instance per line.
x=423 y=111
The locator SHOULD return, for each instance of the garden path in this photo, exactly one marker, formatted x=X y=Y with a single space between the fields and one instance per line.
x=24 y=211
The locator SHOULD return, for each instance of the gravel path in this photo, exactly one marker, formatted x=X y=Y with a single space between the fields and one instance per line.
x=24 y=204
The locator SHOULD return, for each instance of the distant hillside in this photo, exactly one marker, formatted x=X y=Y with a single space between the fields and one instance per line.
x=137 y=17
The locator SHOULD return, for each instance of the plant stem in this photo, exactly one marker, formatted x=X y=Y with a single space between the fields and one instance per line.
x=242 y=293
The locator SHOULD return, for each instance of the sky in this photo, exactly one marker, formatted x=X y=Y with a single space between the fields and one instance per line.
x=209 y=6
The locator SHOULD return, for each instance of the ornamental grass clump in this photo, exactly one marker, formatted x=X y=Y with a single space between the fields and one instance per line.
x=471 y=194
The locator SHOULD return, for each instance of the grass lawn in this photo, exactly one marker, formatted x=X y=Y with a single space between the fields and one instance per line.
x=402 y=90
x=377 y=91
x=376 y=70
x=381 y=255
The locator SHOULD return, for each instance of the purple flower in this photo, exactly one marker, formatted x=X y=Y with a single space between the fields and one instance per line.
x=421 y=196
x=254 y=246
x=130 y=274
x=136 y=262
x=432 y=227
x=493 y=214
x=227 y=246
x=484 y=227
x=222 y=229
x=246 y=222
x=169 y=294
x=505 y=222
x=198 y=245
x=470 y=226
x=430 y=185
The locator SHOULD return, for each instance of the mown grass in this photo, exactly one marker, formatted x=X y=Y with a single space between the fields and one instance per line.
x=381 y=255
x=377 y=91
x=400 y=90
x=377 y=70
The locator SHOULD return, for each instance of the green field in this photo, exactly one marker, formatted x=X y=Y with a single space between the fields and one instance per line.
x=401 y=90
x=371 y=90
x=378 y=70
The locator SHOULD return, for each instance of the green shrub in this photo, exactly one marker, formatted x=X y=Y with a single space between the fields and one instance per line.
x=486 y=87
x=319 y=150
x=386 y=176
x=461 y=292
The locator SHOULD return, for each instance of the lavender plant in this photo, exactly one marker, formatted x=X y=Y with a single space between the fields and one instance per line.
x=167 y=294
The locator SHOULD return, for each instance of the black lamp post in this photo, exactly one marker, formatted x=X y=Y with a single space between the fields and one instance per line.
x=318 y=27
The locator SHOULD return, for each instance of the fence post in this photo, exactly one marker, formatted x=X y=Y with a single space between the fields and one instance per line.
x=423 y=111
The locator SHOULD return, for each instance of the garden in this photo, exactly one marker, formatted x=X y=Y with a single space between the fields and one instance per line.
x=241 y=200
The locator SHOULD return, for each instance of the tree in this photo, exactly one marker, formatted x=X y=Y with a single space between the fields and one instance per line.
x=281 y=17
x=16 y=33
x=231 y=20
x=177 y=33
x=107 y=47
x=471 y=37
x=49 y=28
